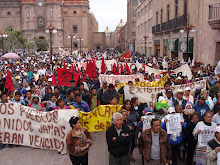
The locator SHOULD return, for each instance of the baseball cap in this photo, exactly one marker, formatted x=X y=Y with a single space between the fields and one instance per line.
x=171 y=110
x=217 y=129
x=169 y=90
x=17 y=78
x=104 y=82
x=201 y=96
x=187 y=89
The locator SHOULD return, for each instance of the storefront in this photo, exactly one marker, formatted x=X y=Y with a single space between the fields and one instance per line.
x=173 y=47
x=183 y=48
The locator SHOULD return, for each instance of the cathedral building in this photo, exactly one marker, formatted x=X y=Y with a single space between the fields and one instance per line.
x=67 y=16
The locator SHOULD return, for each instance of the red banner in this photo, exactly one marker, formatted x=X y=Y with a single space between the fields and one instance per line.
x=65 y=77
x=8 y=82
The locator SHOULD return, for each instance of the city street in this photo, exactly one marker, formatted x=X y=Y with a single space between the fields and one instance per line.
x=98 y=154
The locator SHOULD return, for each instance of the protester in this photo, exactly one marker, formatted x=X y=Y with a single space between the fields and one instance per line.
x=187 y=95
x=216 y=117
x=215 y=109
x=36 y=103
x=118 y=138
x=201 y=106
x=94 y=101
x=82 y=105
x=17 y=98
x=108 y=94
x=70 y=98
x=154 y=145
x=213 y=90
x=179 y=99
x=78 y=142
x=208 y=99
x=60 y=104
x=113 y=100
x=102 y=90
x=51 y=103
x=215 y=98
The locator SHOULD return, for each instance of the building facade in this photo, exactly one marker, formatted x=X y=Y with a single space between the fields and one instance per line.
x=144 y=17
x=110 y=38
x=203 y=41
x=67 y=16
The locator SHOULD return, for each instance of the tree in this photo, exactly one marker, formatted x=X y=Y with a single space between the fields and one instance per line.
x=42 y=44
x=28 y=44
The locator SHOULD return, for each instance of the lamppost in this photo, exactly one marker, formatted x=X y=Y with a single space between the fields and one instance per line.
x=145 y=37
x=188 y=28
x=3 y=35
x=71 y=36
x=51 y=29
x=133 y=39
x=80 y=42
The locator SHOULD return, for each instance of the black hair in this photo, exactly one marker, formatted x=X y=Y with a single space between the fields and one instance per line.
x=59 y=100
x=75 y=89
x=73 y=120
x=112 y=97
x=93 y=88
x=133 y=99
x=126 y=101
x=10 y=92
x=17 y=93
x=69 y=92
x=130 y=82
x=49 y=88
x=72 y=81
x=56 y=88
x=81 y=84
x=154 y=120
x=77 y=95
x=32 y=86
x=3 y=94
x=196 y=114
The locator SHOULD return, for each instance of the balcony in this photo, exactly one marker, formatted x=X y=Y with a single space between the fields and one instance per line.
x=173 y=24
x=214 y=16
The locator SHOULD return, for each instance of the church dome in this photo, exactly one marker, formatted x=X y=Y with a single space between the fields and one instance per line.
x=121 y=24
x=107 y=30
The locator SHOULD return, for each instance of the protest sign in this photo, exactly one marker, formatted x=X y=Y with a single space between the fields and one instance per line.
x=99 y=119
x=26 y=126
x=159 y=83
x=206 y=134
x=173 y=123
x=121 y=78
x=65 y=77
x=147 y=121
x=149 y=94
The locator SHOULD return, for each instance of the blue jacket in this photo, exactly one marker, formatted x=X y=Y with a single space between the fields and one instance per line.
x=83 y=106
x=201 y=109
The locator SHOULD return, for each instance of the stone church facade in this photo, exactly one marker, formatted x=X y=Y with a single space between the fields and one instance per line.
x=68 y=16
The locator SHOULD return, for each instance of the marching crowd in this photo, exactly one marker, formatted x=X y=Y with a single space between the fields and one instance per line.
x=33 y=87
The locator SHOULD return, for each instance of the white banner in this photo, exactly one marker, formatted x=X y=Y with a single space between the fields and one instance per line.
x=147 y=121
x=206 y=134
x=183 y=71
x=173 y=123
x=149 y=94
x=121 y=78
x=26 y=126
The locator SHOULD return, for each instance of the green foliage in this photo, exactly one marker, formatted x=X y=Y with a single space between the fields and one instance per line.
x=41 y=44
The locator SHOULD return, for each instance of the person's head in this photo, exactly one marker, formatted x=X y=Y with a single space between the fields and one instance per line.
x=195 y=117
x=11 y=94
x=3 y=80
x=17 y=96
x=179 y=94
x=73 y=83
x=166 y=86
x=134 y=101
x=74 y=122
x=56 y=90
x=28 y=94
x=187 y=91
x=217 y=84
x=169 y=93
x=81 y=86
x=70 y=94
x=36 y=99
x=96 y=78
x=130 y=83
x=217 y=133
x=76 y=90
x=127 y=105
x=116 y=82
x=49 y=90
x=53 y=98
x=124 y=114
x=201 y=99
x=178 y=108
x=78 y=98
x=110 y=88
x=218 y=99
x=33 y=88
x=117 y=120
x=60 y=102
x=113 y=100
x=207 y=117
x=155 y=125
x=4 y=98
x=94 y=91
x=104 y=84
x=206 y=93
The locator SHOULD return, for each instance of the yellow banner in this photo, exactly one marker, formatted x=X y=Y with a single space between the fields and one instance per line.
x=159 y=83
x=99 y=119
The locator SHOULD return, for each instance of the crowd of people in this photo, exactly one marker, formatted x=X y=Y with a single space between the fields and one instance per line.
x=33 y=87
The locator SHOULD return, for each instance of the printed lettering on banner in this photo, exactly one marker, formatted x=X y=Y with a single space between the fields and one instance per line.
x=173 y=123
x=147 y=121
x=207 y=134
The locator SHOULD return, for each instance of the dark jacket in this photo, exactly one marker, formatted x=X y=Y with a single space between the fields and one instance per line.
x=100 y=94
x=121 y=145
x=201 y=109
x=96 y=84
x=145 y=143
x=183 y=103
x=107 y=96
x=188 y=133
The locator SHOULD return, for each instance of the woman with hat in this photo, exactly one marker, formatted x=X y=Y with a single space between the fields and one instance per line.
x=213 y=148
x=187 y=95
x=78 y=142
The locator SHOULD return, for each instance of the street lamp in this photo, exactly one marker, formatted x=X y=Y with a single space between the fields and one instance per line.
x=51 y=29
x=133 y=39
x=145 y=37
x=71 y=36
x=3 y=35
x=80 y=41
x=188 y=28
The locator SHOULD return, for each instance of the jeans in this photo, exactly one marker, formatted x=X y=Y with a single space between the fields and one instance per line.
x=175 y=148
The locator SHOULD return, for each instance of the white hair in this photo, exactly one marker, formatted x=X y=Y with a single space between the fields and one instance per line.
x=115 y=115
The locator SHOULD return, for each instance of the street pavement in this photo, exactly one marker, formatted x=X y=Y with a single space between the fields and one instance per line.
x=98 y=154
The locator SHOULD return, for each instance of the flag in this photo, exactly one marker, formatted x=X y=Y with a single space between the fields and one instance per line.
x=103 y=66
x=73 y=69
x=64 y=64
x=117 y=73
x=122 y=68
x=54 y=82
x=127 y=68
x=114 y=69
x=8 y=82
x=127 y=55
x=65 y=77
x=195 y=64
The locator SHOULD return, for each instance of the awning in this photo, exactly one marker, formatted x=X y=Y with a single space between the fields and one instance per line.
x=173 y=45
x=183 y=45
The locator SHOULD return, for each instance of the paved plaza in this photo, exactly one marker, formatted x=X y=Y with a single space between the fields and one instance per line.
x=98 y=154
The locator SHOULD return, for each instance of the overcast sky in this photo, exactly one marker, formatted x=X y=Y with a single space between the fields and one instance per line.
x=109 y=12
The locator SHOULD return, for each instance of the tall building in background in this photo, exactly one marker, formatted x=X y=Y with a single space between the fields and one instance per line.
x=68 y=16
x=117 y=34
x=110 y=38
